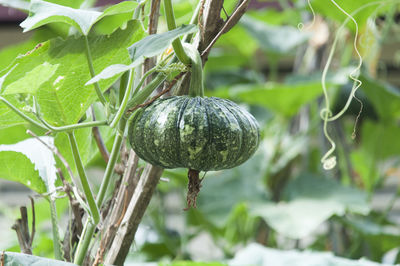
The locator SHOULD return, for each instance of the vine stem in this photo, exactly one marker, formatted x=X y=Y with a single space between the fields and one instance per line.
x=74 y=126
x=94 y=211
x=92 y=73
x=90 y=226
x=58 y=253
x=124 y=102
x=176 y=44
x=21 y=114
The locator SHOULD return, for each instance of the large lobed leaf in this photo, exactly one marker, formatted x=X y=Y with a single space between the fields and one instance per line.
x=43 y=12
x=63 y=97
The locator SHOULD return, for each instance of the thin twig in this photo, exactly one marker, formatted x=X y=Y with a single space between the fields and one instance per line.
x=99 y=140
x=173 y=82
x=233 y=19
x=226 y=13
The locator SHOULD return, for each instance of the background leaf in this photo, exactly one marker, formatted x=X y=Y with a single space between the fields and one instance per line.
x=255 y=254
x=384 y=97
x=281 y=98
x=274 y=39
x=311 y=201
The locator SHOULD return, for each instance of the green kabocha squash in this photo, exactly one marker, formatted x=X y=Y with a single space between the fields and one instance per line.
x=197 y=133
x=194 y=132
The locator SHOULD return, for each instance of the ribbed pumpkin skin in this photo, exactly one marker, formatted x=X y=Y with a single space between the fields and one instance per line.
x=198 y=133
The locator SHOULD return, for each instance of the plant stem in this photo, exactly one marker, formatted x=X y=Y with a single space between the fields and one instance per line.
x=94 y=211
x=124 y=102
x=21 y=114
x=111 y=163
x=92 y=73
x=69 y=128
x=176 y=44
x=89 y=228
x=83 y=244
x=146 y=91
x=54 y=225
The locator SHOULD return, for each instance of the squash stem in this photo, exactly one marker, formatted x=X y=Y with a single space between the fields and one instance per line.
x=196 y=79
x=194 y=186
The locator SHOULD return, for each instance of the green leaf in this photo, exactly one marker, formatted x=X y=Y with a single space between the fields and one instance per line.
x=9 y=53
x=281 y=98
x=381 y=237
x=8 y=117
x=328 y=9
x=42 y=13
x=17 y=167
x=13 y=134
x=18 y=160
x=274 y=39
x=115 y=16
x=255 y=254
x=379 y=140
x=311 y=201
x=32 y=80
x=18 y=259
x=150 y=46
x=384 y=97
x=64 y=98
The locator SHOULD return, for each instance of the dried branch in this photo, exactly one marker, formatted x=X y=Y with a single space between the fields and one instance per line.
x=232 y=21
x=21 y=227
x=152 y=29
x=113 y=220
x=33 y=221
x=137 y=206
